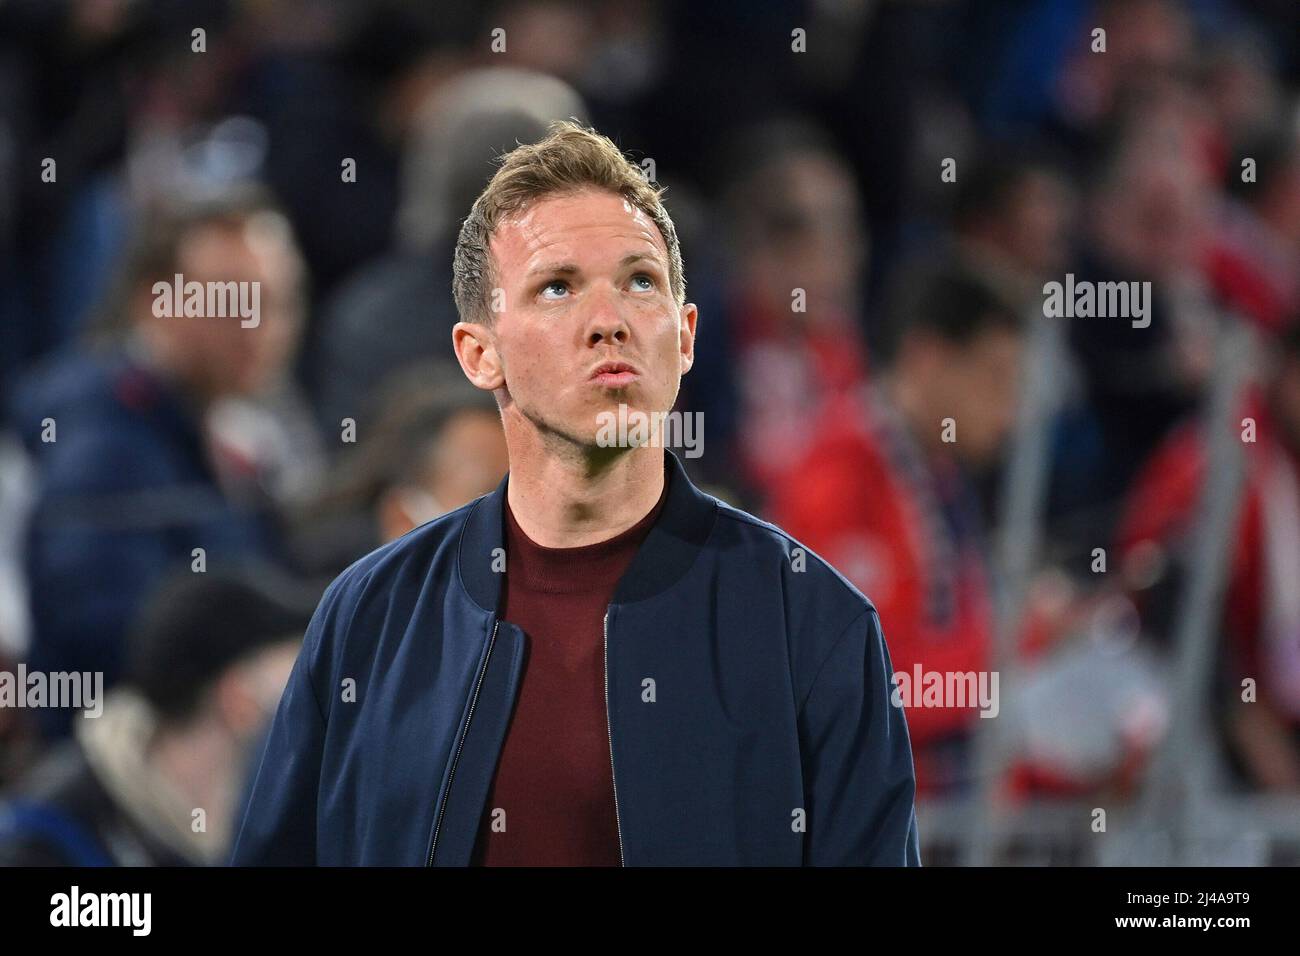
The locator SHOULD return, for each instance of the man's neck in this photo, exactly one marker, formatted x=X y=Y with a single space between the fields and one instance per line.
x=573 y=500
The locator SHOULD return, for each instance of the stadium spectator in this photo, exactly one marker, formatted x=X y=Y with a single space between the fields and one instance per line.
x=883 y=493
x=1254 y=262
x=1012 y=221
x=791 y=307
x=436 y=444
x=1261 y=615
x=398 y=308
x=155 y=779
x=1147 y=219
x=137 y=466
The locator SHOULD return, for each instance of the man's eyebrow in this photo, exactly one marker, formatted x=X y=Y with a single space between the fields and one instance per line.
x=568 y=268
x=554 y=268
x=639 y=257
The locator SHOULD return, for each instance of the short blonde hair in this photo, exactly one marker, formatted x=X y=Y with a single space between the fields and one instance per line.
x=570 y=158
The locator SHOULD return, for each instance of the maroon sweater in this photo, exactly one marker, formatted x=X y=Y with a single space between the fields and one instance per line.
x=554 y=780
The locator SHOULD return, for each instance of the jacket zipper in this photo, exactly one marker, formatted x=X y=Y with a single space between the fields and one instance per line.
x=473 y=701
x=618 y=822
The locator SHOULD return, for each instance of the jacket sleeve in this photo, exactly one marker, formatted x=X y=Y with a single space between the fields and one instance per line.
x=279 y=824
x=859 y=782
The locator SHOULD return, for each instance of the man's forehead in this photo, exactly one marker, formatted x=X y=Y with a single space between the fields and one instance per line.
x=574 y=220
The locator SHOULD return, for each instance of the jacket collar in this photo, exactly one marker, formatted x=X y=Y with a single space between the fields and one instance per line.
x=666 y=554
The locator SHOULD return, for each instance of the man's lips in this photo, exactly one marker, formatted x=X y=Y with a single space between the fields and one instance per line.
x=615 y=374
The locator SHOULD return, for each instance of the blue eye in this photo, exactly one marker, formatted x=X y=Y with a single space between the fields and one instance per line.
x=648 y=280
x=558 y=283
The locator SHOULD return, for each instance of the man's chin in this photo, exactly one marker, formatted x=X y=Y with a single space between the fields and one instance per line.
x=618 y=423
x=625 y=425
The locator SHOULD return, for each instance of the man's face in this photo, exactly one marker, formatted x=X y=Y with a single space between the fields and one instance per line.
x=812 y=238
x=247 y=693
x=220 y=355
x=467 y=460
x=977 y=383
x=584 y=278
x=1038 y=224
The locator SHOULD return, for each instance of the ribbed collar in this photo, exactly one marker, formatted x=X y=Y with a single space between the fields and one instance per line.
x=581 y=570
x=684 y=522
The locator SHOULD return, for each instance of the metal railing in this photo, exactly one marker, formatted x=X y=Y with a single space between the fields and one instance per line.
x=1184 y=812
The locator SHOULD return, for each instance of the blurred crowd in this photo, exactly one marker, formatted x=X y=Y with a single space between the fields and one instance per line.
x=867 y=228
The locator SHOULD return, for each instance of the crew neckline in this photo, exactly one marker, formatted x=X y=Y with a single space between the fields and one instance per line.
x=588 y=567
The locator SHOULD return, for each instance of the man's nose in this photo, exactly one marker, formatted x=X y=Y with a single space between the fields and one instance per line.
x=605 y=320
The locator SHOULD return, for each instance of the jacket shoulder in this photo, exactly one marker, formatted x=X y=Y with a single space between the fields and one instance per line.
x=818 y=605
x=390 y=575
x=413 y=550
x=767 y=541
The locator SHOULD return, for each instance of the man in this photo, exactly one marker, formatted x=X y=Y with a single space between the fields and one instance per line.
x=885 y=493
x=596 y=663
x=135 y=468
x=775 y=364
x=1261 y=614
x=435 y=444
x=1146 y=218
x=1011 y=222
x=395 y=308
x=156 y=779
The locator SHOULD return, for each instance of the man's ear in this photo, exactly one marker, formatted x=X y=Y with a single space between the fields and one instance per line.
x=689 y=314
x=476 y=351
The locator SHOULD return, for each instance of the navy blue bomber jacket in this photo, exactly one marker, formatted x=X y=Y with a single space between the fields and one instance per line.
x=769 y=738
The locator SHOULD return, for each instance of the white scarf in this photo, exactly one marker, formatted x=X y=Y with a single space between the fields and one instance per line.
x=116 y=744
